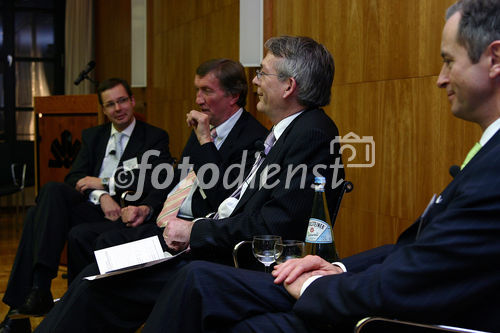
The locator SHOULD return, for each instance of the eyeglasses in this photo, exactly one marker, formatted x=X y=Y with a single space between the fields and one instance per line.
x=120 y=101
x=259 y=74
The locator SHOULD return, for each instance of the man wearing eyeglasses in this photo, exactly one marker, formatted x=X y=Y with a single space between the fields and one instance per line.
x=293 y=84
x=442 y=270
x=222 y=132
x=90 y=193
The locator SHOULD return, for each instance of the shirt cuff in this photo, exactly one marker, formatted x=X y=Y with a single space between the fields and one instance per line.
x=308 y=283
x=111 y=186
x=313 y=278
x=341 y=265
x=95 y=196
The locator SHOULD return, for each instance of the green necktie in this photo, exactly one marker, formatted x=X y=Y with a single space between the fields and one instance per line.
x=471 y=154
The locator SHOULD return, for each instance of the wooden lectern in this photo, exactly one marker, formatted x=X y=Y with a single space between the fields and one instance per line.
x=59 y=124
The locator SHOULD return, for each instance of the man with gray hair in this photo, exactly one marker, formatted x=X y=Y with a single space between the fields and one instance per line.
x=294 y=81
x=222 y=133
x=442 y=270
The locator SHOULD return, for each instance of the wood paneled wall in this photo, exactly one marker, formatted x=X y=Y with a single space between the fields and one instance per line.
x=112 y=39
x=387 y=61
x=182 y=34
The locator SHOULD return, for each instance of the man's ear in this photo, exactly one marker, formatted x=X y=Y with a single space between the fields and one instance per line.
x=234 y=99
x=495 y=59
x=290 y=87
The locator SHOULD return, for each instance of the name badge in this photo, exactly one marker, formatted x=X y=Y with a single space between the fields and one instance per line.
x=130 y=164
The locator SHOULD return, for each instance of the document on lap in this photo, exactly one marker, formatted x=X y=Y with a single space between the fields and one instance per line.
x=128 y=257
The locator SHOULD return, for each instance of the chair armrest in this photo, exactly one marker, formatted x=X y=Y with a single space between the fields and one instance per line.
x=18 y=171
x=379 y=324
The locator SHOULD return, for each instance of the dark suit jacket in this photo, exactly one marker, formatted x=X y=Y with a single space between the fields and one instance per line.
x=283 y=209
x=245 y=132
x=448 y=273
x=94 y=142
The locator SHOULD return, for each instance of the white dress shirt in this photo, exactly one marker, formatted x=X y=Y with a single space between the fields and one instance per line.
x=95 y=195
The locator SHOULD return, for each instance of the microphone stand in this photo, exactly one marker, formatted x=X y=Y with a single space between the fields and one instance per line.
x=95 y=82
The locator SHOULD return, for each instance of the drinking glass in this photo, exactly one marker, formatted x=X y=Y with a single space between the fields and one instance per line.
x=264 y=249
x=289 y=249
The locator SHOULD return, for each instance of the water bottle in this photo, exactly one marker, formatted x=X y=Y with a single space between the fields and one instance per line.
x=319 y=237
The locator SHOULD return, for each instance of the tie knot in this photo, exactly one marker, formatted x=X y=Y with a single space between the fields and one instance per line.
x=213 y=133
x=269 y=143
x=117 y=138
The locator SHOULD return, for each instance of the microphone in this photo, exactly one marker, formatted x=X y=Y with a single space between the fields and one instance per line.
x=259 y=146
x=454 y=170
x=83 y=74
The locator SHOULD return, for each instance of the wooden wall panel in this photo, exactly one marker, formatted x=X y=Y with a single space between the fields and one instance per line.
x=112 y=38
x=416 y=141
x=184 y=34
x=370 y=39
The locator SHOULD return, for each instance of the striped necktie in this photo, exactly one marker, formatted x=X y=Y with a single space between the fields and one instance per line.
x=268 y=144
x=174 y=201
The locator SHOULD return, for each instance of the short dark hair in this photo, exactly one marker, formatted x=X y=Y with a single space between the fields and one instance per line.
x=479 y=25
x=231 y=76
x=111 y=83
x=310 y=63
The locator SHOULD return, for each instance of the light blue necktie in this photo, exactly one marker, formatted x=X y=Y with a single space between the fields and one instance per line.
x=114 y=155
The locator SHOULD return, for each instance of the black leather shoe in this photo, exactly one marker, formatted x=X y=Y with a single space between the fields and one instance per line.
x=10 y=325
x=38 y=303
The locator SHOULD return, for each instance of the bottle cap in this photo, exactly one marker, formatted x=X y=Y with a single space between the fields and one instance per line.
x=319 y=180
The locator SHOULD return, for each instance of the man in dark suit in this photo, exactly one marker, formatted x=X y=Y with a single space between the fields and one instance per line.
x=222 y=88
x=275 y=198
x=91 y=192
x=442 y=270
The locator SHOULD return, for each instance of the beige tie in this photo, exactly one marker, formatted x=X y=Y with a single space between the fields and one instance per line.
x=114 y=156
x=174 y=201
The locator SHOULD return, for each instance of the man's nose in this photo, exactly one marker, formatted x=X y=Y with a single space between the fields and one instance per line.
x=255 y=80
x=443 y=79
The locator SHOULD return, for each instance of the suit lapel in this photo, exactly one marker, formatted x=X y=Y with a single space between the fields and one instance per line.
x=234 y=134
x=135 y=143
x=492 y=143
x=102 y=143
x=447 y=195
x=272 y=158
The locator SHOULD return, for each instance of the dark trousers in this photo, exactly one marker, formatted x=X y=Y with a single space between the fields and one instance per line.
x=178 y=297
x=59 y=207
x=119 y=303
x=210 y=297
x=83 y=239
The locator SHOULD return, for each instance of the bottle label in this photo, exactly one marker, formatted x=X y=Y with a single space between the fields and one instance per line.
x=318 y=232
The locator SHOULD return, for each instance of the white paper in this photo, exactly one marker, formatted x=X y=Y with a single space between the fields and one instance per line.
x=129 y=254
x=147 y=248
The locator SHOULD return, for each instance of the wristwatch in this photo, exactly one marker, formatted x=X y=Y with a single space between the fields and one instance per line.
x=105 y=183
